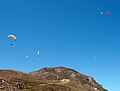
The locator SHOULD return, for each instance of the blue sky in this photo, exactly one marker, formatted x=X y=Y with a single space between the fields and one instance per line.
x=59 y=29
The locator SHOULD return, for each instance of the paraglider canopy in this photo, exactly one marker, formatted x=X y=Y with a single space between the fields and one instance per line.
x=26 y=56
x=38 y=53
x=12 y=36
x=101 y=13
x=108 y=13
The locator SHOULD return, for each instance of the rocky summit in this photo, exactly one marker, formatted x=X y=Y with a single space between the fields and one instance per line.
x=48 y=79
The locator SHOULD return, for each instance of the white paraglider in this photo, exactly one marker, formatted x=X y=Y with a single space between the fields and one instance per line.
x=26 y=58
x=38 y=53
x=101 y=13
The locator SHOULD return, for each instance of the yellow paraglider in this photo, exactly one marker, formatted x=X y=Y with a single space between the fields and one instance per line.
x=12 y=36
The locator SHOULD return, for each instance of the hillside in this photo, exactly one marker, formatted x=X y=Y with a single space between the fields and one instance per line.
x=47 y=79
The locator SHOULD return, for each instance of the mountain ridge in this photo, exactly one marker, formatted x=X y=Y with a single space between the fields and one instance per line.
x=48 y=79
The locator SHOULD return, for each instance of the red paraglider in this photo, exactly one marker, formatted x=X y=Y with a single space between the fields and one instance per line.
x=108 y=13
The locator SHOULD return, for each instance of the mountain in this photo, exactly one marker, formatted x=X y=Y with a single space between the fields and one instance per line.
x=47 y=79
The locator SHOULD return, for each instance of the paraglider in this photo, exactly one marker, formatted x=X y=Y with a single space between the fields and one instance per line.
x=26 y=58
x=101 y=13
x=13 y=37
x=108 y=13
x=38 y=53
